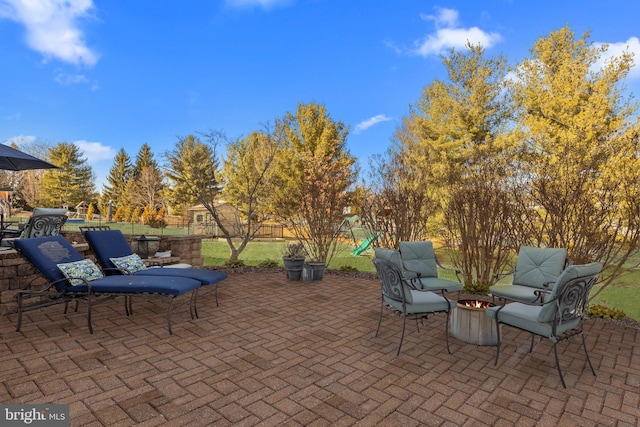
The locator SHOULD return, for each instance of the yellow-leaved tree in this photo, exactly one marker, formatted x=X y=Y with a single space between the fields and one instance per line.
x=313 y=177
x=466 y=148
x=579 y=149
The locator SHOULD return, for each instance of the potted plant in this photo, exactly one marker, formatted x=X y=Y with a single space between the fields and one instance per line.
x=293 y=260
x=313 y=270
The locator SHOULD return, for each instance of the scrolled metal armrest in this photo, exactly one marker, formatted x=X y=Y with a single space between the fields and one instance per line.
x=456 y=270
x=498 y=276
x=410 y=284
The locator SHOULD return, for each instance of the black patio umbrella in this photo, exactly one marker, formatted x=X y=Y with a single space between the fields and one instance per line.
x=16 y=160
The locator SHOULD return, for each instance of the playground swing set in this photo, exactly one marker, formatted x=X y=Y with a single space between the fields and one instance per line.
x=370 y=238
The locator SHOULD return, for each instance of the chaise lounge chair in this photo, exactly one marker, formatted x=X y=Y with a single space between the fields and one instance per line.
x=72 y=277
x=114 y=254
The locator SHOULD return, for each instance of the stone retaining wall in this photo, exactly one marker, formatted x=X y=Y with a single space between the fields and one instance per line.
x=187 y=248
x=17 y=273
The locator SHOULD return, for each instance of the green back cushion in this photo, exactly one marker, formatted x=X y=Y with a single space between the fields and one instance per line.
x=418 y=257
x=49 y=211
x=548 y=312
x=393 y=256
x=537 y=266
x=26 y=232
x=390 y=255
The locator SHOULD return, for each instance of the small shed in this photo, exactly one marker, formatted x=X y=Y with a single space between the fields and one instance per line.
x=205 y=224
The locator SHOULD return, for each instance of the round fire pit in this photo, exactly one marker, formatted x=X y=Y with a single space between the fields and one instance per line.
x=470 y=324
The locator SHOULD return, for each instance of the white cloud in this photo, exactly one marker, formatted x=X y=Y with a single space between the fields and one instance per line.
x=71 y=79
x=366 y=124
x=52 y=28
x=265 y=4
x=449 y=34
x=95 y=151
x=616 y=49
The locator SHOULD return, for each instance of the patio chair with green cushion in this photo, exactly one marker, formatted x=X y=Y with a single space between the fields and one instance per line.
x=402 y=298
x=534 y=275
x=390 y=255
x=42 y=222
x=116 y=257
x=559 y=317
x=71 y=277
x=420 y=265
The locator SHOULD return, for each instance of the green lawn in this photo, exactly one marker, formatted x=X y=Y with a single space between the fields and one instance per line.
x=622 y=294
x=216 y=252
x=129 y=228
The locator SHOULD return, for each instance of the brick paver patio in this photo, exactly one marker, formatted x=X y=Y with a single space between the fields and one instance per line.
x=280 y=353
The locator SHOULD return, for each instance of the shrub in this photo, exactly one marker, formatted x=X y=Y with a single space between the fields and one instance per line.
x=475 y=289
x=295 y=250
x=268 y=263
x=234 y=263
x=604 y=312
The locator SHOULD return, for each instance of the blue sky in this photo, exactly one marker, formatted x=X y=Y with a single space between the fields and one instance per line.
x=115 y=74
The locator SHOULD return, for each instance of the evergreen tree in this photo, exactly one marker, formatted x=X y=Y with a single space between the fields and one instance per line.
x=144 y=159
x=119 y=175
x=119 y=214
x=90 y=212
x=72 y=182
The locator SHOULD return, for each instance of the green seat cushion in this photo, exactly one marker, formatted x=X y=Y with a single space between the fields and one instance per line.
x=48 y=211
x=423 y=302
x=393 y=256
x=526 y=317
x=514 y=293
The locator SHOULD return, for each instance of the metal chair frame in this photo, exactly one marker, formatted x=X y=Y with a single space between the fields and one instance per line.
x=570 y=305
x=393 y=287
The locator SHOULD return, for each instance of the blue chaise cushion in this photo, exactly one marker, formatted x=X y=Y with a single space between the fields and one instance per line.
x=107 y=244
x=140 y=285
x=45 y=253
